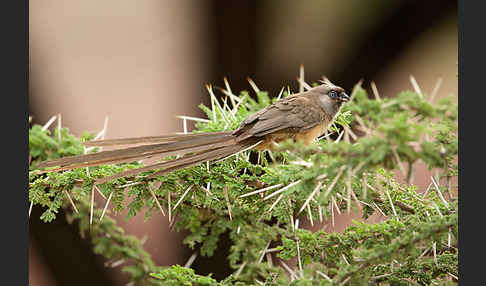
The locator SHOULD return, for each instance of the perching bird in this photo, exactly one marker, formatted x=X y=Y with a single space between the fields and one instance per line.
x=303 y=117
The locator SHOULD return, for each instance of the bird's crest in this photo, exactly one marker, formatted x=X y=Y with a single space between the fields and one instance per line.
x=327 y=82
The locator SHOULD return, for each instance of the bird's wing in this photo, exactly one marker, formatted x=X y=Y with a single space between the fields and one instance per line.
x=295 y=114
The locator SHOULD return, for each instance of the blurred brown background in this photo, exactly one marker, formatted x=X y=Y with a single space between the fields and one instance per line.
x=144 y=62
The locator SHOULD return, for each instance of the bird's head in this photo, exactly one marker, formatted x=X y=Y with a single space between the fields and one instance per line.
x=331 y=96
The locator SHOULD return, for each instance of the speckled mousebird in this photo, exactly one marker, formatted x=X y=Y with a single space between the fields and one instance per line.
x=302 y=116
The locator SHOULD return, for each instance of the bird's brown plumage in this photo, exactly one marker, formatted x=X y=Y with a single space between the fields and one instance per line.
x=302 y=117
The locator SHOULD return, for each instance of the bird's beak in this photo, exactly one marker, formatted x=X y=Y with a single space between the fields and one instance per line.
x=344 y=97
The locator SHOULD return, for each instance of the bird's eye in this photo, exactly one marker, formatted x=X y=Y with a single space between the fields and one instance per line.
x=332 y=94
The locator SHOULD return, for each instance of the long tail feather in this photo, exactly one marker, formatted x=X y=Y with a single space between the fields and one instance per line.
x=183 y=146
x=183 y=162
x=194 y=149
x=224 y=154
x=150 y=139
x=132 y=158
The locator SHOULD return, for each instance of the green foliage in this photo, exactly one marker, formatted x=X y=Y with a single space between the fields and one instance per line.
x=416 y=244
x=178 y=276
x=109 y=240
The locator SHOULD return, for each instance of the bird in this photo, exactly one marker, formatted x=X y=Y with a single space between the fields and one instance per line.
x=302 y=117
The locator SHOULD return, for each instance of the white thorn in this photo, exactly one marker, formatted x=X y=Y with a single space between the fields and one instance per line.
x=169 y=208
x=156 y=200
x=59 y=127
x=334 y=182
x=275 y=203
x=101 y=135
x=439 y=192
x=71 y=201
x=427 y=190
x=453 y=276
x=349 y=190
x=423 y=253
x=30 y=208
x=106 y=206
x=99 y=192
x=292 y=273
x=376 y=206
x=301 y=78
x=193 y=118
x=240 y=269
x=375 y=91
x=117 y=263
x=351 y=133
x=345 y=260
x=331 y=206
x=437 y=209
x=228 y=88
x=191 y=260
x=324 y=275
x=92 y=206
x=399 y=162
x=434 y=247
x=310 y=215
x=339 y=137
x=300 y=260
x=51 y=120
x=211 y=95
x=333 y=200
x=225 y=193
x=129 y=184
x=415 y=85
x=208 y=188
x=435 y=90
x=282 y=189
x=316 y=189
x=449 y=238
x=264 y=251
x=232 y=97
x=280 y=94
x=253 y=85
x=391 y=203
x=105 y=126
x=183 y=195
x=320 y=213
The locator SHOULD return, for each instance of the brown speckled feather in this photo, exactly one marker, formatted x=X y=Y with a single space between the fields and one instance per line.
x=293 y=114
